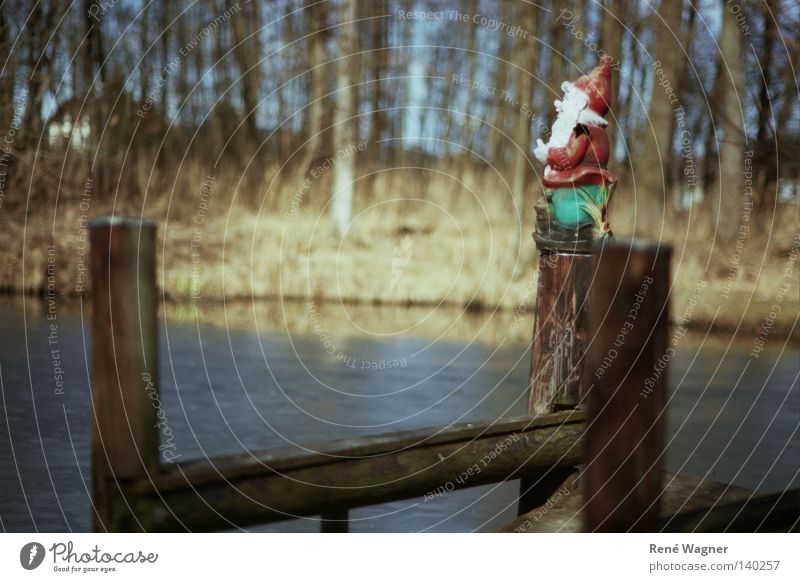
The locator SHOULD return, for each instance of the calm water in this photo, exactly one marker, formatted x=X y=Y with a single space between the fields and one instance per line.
x=238 y=378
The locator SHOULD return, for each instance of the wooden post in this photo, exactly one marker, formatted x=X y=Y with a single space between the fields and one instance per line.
x=559 y=339
x=625 y=372
x=125 y=385
x=559 y=334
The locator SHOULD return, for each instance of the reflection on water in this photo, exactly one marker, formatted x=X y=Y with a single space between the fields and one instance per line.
x=242 y=377
x=307 y=318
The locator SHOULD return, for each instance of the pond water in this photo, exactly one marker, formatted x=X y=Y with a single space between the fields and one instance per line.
x=243 y=377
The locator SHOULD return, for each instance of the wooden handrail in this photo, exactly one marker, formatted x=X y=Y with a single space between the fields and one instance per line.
x=135 y=491
x=246 y=489
x=618 y=437
x=367 y=448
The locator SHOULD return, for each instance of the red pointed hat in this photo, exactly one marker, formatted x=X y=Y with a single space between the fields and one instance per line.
x=597 y=86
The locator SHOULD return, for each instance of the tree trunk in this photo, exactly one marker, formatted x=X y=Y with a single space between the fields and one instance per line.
x=165 y=28
x=144 y=47
x=679 y=163
x=247 y=50
x=654 y=164
x=472 y=58
x=578 y=48
x=611 y=35
x=555 y=75
x=766 y=161
x=345 y=130
x=317 y=15
x=446 y=105
x=710 y=143
x=93 y=59
x=498 y=140
x=524 y=59
x=377 y=118
x=402 y=86
x=726 y=198
x=7 y=79
x=221 y=78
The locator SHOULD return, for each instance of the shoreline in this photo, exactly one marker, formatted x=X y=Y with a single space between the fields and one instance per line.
x=701 y=323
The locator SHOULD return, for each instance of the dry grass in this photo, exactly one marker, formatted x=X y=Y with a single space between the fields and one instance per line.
x=419 y=238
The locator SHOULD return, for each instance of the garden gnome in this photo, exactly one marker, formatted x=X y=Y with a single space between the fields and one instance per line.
x=577 y=184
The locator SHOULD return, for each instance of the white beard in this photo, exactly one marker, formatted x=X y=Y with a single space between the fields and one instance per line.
x=571 y=111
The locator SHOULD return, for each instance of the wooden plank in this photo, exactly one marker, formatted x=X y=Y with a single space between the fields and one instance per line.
x=692 y=505
x=284 y=459
x=559 y=334
x=626 y=382
x=246 y=489
x=688 y=504
x=124 y=359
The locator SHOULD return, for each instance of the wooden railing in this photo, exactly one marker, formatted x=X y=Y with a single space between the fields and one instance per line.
x=134 y=490
x=614 y=431
x=247 y=489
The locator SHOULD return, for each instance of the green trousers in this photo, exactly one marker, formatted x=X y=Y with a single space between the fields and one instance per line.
x=578 y=206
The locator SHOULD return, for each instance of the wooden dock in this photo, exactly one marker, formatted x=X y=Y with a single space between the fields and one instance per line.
x=604 y=428
x=687 y=504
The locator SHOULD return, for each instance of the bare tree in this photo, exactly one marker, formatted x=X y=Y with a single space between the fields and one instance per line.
x=611 y=36
x=654 y=164
x=524 y=60
x=247 y=49
x=7 y=72
x=766 y=160
x=472 y=60
x=555 y=75
x=578 y=47
x=501 y=82
x=787 y=90
x=377 y=59
x=165 y=29
x=319 y=104
x=92 y=49
x=726 y=193
x=710 y=162
x=447 y=96
x=345 y=129
x=401 y=85
x=223 y=114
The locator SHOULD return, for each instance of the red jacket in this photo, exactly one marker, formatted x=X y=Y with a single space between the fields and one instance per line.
x=582 y=161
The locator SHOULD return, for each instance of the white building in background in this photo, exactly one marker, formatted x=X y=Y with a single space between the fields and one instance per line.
x=70 y=124
x=788 y=190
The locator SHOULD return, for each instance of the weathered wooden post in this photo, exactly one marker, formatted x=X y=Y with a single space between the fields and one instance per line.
x=125 y=404
x=559 y=335
x=625 y=374
x=570 y=218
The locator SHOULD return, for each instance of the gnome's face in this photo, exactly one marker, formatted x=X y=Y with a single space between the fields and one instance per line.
x=568 y=114
x=574 y=108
